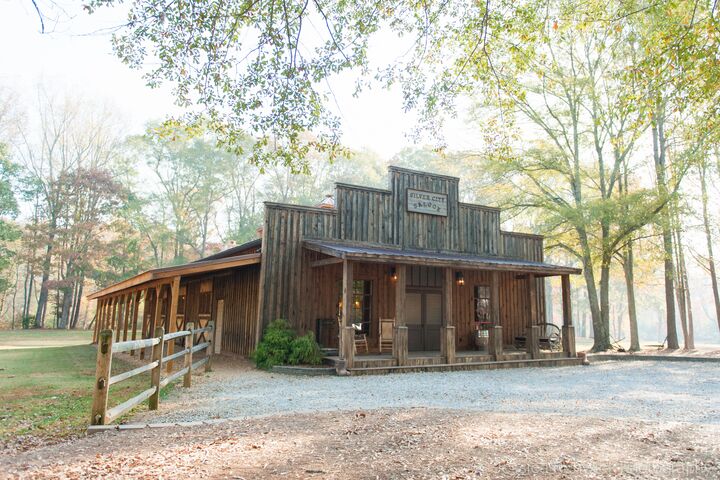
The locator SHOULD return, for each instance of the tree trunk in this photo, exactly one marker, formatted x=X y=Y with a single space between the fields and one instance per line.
x=601 y=334
x=14 y=296
x=27 y=291
x=708 y=239
x=659 y=149
x=605 y=301
x=683 y=293
x=78 y=300
x=680 y=282
x=629 y=270
x=42 y=300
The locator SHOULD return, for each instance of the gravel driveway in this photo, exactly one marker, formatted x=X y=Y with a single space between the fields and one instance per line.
x=660 y=391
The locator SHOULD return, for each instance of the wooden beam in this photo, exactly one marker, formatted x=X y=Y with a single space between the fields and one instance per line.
x=447 y=331
x=347 y=293
x=347 y=335
x=98 y=316
x=120 y=314
x=113 y=313
x=172 y=317
x=566 y=301
x=260 y=318
x=448 y=283
x=326 y=261
x=495 y=298
x=127 y=315
x=157 y=311
x=136 y=309
x=400 y=332
x=532 y=301
x=400 y=284
x=147 y=318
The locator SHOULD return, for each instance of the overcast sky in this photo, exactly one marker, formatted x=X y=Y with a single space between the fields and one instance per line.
x=76 y=56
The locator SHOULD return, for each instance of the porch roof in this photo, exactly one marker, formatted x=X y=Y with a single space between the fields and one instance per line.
x=386 y=254
x=193 y=268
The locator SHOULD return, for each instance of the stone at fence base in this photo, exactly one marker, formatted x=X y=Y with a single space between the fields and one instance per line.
x=132 y=426
x=101 y=428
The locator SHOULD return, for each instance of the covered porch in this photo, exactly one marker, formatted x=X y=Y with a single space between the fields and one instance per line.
x=449 y=311
x=223 y=290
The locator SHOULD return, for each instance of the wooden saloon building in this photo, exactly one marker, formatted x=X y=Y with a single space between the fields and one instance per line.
x=404 y=278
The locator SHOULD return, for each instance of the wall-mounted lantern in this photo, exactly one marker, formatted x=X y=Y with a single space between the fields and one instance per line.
x=459 y=278
x=393 y=274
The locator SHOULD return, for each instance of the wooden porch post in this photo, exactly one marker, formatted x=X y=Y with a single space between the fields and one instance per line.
x=119 y=318
x=98 y=319
x=157 y=311
x=172 y=317
x=532 y=344
x=495 y=340
x=136 y=308
x=103 y=319
x=127 y=318
x=145 y=320
x=400 y=332
x=347 y=334
x=113 y=314
x=447 y=337
x=568 y=330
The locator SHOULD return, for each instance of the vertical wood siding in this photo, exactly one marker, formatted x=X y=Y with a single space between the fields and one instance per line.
x=522 y=245
x=282 y=267
x=239 y=290
x=292 y=289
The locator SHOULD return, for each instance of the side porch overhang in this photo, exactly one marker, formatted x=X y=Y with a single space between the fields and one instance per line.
x=158 y=292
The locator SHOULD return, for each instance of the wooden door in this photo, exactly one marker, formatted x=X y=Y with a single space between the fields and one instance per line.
x=423 y=316
x=413 y=320
x=432 y=320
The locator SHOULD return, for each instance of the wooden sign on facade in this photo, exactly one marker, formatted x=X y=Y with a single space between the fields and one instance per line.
x=430 y=203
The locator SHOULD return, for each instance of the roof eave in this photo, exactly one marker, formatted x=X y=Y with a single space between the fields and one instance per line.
x=192 y=268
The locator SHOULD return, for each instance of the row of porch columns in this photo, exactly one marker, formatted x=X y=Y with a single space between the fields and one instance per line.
x=120 y=312
x=447 y=339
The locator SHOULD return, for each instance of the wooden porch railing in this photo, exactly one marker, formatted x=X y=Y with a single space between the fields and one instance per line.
x=101 y=415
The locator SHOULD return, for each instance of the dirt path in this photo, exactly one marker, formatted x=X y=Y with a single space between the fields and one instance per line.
x=414 y=443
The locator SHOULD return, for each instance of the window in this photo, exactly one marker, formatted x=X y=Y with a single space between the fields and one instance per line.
x=362 y=302
x=482 y=303
x=205 y=300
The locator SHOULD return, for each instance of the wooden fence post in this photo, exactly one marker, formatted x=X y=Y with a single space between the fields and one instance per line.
x=209 y=349
x=157 y=355
x=102 y=375
x=189 y=341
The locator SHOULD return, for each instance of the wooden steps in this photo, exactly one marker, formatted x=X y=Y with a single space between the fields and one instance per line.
x=445 y=367
x=382 y=364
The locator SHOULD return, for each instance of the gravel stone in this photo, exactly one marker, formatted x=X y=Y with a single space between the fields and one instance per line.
x=652 y=390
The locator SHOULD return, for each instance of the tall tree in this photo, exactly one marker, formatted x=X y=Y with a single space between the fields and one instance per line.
x=707 y=230
x=9 y=232
x=67 y=136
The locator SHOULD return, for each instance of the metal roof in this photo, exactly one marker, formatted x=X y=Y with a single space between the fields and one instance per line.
x=192 y=268
x=229 y=252
x=380 y=253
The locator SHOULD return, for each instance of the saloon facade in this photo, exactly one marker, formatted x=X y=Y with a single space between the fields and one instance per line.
x=404 y=278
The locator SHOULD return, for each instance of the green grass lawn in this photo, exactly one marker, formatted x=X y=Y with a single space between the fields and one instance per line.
x=46 y=391
x=13 y=339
